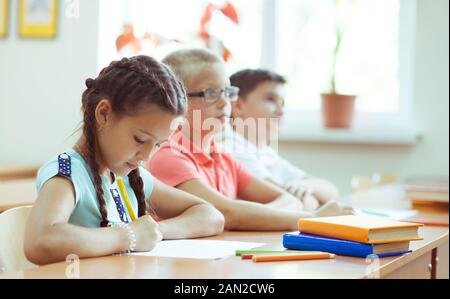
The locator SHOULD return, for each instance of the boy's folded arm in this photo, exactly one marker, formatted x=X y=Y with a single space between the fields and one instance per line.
x=245 y=215
x=287 y=201
x=261 y=191
x=265 y=192
x=324 y=190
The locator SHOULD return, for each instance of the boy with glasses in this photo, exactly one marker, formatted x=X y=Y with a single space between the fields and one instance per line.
x=193 y=162
x=261 y=101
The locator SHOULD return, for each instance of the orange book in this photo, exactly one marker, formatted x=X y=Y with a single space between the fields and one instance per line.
x=363 y=229
x=429 y=206
x=428 y=196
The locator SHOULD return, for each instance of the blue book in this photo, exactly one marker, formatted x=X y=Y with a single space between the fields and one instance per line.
x=309 y=242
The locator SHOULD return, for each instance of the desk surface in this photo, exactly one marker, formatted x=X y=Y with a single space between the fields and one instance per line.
x=233 y=267
x=17 y=193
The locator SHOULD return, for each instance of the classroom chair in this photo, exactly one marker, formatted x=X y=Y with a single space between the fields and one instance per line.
x=12 y=231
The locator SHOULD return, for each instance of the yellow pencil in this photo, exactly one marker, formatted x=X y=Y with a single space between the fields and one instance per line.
x=126 y=199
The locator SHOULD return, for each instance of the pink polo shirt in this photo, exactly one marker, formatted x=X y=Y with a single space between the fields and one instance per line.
x=179 y=160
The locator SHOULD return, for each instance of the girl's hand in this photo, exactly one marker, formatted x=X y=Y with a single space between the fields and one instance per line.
x=147 y=233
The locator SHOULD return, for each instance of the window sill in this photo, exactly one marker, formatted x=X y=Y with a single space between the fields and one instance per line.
x=368 y=128
x=380 y=136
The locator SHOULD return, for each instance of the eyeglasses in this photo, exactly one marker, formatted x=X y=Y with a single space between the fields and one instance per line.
x=212 y=95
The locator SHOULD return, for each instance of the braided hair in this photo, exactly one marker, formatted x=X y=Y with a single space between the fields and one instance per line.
x=127 y=84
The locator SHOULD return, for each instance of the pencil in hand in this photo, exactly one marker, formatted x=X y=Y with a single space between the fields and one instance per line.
x=126 y=199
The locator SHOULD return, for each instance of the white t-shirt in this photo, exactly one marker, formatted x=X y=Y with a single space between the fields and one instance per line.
x=262 y=162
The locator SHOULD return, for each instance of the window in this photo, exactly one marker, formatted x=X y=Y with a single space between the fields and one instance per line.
x=367 y=63
x=179 y=21
x=296 y=39
x=375 y=63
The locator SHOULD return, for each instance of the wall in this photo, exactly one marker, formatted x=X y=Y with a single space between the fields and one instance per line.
x=41 y=82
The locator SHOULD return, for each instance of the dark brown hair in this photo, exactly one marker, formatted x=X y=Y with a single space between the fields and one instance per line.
x=128 y=84
x=247 y=80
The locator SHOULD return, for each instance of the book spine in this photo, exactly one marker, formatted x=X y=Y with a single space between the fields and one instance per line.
x=334 y=246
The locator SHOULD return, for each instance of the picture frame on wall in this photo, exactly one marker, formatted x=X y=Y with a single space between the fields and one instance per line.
x=38 y=18
x=4 y=9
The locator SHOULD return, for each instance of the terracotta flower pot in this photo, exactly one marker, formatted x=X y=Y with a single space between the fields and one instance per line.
x=337 y=110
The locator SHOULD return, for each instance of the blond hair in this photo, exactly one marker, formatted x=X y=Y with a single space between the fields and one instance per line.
x=187 y=62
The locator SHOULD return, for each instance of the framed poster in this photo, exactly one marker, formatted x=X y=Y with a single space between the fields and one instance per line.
x=4 y=8
x=38 y=18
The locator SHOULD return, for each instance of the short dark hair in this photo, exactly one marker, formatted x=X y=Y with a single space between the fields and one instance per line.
x=247 y=80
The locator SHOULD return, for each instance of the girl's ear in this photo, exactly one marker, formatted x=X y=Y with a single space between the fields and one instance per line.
x=103 y=113
x=238 y=108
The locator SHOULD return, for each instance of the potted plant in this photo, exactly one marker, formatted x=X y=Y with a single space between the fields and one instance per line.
x=337 y=109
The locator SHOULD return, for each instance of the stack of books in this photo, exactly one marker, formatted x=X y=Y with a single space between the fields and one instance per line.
x=351 y=235
x=428 y=195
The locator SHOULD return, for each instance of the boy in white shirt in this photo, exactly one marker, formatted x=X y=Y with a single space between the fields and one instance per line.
x=257 y=115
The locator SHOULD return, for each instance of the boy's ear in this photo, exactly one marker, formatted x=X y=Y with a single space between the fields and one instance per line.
x=238 y=107
x=103 y=113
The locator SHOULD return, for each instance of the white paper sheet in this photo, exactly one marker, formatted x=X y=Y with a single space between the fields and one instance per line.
x=198 y=249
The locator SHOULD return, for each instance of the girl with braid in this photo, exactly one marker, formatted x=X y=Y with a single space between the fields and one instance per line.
x=127 y=112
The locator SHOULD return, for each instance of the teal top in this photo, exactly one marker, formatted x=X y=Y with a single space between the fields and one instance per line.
x=86 y=212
